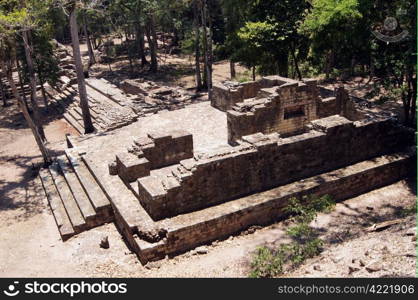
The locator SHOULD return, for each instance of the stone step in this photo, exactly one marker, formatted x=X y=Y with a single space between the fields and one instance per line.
x=97 y=197
x=73 y=112
x=99 y=97
x=104 y=88
x=77 y=190
x=62 y=220
x=70 y=204
x=73 y=122
x=130 y=216
x=96 y=123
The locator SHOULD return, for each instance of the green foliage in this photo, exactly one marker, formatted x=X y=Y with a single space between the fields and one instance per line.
x=266 y=263
x=254 y=38
x=270 y=34
x=330 y=15
x=272 y=262
x=46 y=64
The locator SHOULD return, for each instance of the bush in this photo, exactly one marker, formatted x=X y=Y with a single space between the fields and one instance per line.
x=266 y=263
x=271 y=262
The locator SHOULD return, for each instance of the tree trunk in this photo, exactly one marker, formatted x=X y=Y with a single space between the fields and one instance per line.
x=353 y=64
x=144 y=60
x=92 y=59
x=409 y=99
x=283 y=64
x=153 y=51
x=2 y=89
x=141 y=44
x=44 y=96
x=253 y=71
x=32 y=83
x=232 y=69
x=94 y=43
x=295 y=60
x=154 y=44
x=25 y=112
x=209 y=52
x=82 y=92
x=205 y=45
x=176 y=39
x=329 y=63
x=21 y=84
x=414 y=104
x=197 y=47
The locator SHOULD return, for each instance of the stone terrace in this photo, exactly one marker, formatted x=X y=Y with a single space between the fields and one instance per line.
x=174 y=182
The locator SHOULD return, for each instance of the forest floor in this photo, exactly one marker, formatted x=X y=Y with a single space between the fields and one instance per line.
x=31 y=246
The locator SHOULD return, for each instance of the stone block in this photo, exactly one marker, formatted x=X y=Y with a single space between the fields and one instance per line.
x=130 y=167
x=332 y=123
x=159 y=136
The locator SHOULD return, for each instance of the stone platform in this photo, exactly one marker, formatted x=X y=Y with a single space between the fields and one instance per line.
x=172 y=181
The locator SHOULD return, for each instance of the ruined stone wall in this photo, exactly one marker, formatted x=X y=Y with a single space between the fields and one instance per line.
x=227 y=94
x=337 y=102
x=164 y=148
x=155 y=151
x=286 y=109
x=188 y=231
x=263 y=161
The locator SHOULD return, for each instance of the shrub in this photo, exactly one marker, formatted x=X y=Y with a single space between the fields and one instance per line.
x=271 y=262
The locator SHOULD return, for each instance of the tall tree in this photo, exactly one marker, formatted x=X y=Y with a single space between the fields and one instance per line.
x=92 y=58
x=71 y=7
x=2 y=89
x=196 y=24
x=235 y=13
x=82 y=91
x=330 y=25
x=10 y=23
x=32 y=82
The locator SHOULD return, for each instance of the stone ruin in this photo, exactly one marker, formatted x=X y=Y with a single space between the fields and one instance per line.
x=277 y=104
x=285 y=139
x=148 y=97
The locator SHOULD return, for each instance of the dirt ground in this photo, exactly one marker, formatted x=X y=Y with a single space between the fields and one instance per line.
x=30 y=245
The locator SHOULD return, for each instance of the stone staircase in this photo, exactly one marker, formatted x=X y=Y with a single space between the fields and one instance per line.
x=6 y=87
x=76 y=200
x=106 y=115
x=60 y=102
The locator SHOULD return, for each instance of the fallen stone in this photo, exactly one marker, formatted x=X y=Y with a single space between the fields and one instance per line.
x=373 y=267
x=163 y=91
x=113 y=168
x=352 y=269
x=411 y=231
x=200 y=250
x=153 y=265
x=337 y=259
x=104 y=243
x=317 y=268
